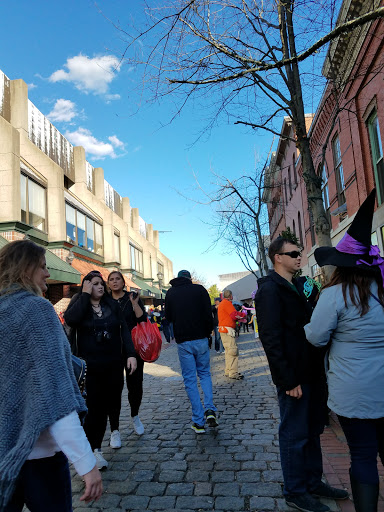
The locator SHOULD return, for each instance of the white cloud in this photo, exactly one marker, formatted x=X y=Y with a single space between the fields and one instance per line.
x=32 y=86
x=93 y=147
x=64 y=110
x=89 y=74
x=111 y=97
x=116 y=142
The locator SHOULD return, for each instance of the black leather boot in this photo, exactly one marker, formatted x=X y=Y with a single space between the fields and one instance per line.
x=365 y=496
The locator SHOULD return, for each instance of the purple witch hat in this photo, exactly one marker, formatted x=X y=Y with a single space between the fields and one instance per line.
x=355 y=248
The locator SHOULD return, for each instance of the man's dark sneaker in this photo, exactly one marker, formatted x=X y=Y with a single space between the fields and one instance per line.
x=236 y=376
x=199 y=429
x=306 y=503
x=326 y=491
x=210 y=416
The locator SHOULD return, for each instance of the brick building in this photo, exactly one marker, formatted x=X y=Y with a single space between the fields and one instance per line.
x=346 y=142
x=50 y=193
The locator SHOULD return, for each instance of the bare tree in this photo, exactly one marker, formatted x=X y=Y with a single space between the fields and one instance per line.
x=248 y=58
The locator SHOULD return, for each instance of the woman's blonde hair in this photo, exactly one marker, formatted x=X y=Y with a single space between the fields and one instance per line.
x=17 y=260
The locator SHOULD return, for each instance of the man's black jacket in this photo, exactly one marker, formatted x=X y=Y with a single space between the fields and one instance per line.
x=281 y=314
x=188 y=306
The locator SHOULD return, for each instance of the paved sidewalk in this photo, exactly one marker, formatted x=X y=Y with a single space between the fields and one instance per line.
x=232 y=468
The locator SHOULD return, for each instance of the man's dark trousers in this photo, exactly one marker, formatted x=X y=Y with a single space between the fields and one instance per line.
x=302 y=422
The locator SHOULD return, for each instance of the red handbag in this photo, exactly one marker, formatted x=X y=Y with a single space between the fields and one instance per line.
x=147 y=341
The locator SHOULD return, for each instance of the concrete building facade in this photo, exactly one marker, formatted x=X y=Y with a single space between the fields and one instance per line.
x=52 y=194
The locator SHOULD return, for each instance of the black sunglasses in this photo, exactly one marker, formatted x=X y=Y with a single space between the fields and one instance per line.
x=292 y=254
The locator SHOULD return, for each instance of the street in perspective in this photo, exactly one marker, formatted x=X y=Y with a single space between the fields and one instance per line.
x=235 y=467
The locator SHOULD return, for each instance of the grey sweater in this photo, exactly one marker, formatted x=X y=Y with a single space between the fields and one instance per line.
x=37 y=384
x=355 y=371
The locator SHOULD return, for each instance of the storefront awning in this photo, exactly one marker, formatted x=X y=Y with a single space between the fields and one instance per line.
x=59 y=269
x=147 y=290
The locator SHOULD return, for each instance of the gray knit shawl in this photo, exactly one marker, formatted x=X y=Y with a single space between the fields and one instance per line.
x=37 y=384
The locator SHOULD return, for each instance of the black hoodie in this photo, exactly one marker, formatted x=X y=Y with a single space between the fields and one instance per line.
x=188 y=306
x=282 y=311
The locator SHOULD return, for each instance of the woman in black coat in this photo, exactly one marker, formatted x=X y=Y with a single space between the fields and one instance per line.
x=134 y=312
x=101 y=337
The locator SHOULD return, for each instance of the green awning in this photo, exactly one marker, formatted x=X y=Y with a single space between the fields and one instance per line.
x=60 y=270
x=147 y=290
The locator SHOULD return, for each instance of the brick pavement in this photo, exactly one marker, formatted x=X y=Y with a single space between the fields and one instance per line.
x=233 y=468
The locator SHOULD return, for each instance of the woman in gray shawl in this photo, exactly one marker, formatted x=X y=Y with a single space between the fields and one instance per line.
x=349 y=318
x=39 y=396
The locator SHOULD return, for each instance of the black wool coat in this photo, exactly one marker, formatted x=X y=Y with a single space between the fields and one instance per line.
x=281 y=314
x=188 y=306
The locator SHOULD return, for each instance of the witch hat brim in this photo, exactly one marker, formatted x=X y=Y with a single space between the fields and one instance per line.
x=359 y=230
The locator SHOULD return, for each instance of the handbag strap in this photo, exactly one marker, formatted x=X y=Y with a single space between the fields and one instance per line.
x=377 y=299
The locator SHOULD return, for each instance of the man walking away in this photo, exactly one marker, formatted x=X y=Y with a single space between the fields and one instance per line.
x=188 y=306
x=298 y=373
x=227 y=324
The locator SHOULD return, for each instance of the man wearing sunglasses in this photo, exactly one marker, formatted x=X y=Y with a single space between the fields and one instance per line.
x=297 y=371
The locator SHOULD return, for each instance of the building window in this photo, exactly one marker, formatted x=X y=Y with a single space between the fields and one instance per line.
x=294 y=168
x=116 y=242
x=315 y=270
x=325 y=190
x=33 y=203
x=285 y=190
x=136 y=258
x=312 y=227
x=160 y=267
x=294 y=227
x=300 y=231
x=339 y=174
x=83 y=231
x=290 y=181
x=377 y=154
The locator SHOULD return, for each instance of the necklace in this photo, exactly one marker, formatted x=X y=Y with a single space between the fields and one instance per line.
x=97 y=310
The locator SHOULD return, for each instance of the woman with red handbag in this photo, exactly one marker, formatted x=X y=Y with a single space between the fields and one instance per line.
x=134 y=312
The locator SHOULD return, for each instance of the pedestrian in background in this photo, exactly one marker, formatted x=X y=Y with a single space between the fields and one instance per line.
x=39 y=396
x=228 y=315
x=349 y=319
x=218 y=342
x=133 y=312
x=297 y=370
x=101 y=337
x=188 y=306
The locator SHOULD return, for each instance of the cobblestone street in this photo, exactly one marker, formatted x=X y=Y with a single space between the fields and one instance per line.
x=233 y=468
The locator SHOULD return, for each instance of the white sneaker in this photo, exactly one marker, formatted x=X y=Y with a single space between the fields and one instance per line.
x=100 y=461
x=115 y=441
x=138 y=426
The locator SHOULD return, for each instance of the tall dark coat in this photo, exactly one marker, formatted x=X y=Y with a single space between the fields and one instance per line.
x=281 y=314
x=188 y=306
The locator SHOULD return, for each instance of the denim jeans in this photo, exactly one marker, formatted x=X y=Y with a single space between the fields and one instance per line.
x=301 y=423
x=218 y=344
x=194 y=360
x=365 y=438
x=44 y=485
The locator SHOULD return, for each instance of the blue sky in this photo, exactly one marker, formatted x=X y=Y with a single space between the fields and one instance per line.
x=66 y=53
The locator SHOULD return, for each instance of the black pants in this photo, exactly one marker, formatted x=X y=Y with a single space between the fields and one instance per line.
x=103 y=401
x=135 y=387
x=365 y=440
x=44 y=485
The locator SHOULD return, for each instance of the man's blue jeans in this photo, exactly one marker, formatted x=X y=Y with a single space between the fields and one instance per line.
x=194 y=361
x=301 y=423
x=218 y=343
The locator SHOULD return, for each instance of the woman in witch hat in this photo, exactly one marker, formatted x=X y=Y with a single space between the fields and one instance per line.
x=350 y=317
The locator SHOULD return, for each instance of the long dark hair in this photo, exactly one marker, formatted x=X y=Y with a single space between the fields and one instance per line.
x=361 y=278
x=90 y=276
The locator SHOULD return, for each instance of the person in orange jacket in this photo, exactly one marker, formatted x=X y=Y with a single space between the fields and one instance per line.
x=227 y=322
